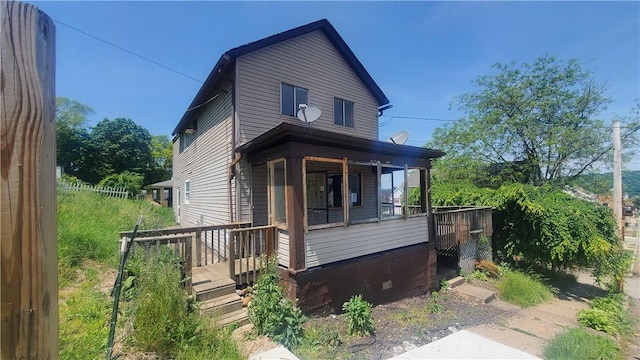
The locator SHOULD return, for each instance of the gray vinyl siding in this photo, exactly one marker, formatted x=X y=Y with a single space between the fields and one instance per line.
x=283 y=248
x=324 y=246
x=206 y=164
x=308 y=61
x=260 y=197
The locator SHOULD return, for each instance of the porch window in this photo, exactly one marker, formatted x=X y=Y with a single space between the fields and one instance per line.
x=291 y=98
x=277 y=192
x=334 y=185
x=343 y=112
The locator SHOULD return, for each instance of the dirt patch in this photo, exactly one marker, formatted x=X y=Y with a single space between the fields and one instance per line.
x=404 y=325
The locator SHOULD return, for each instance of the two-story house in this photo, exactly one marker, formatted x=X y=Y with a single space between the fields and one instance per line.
x=242 y=155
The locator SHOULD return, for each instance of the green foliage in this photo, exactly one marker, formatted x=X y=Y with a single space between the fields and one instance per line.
x=163 y=317
x=71 y=133
x=603 y=183
x=272 y=314
x=88 y=226
x=607 y=314
x=358 y=313
x=533 y=123
x=84 y=316
x=115 y=146
x=130 y=181
x=162 y=159
x=523 y=289
x=546 y=227
x=580 y=344
x=434 y=306
x=476 y=275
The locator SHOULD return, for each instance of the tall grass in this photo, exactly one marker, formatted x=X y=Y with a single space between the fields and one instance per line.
x=580 y=344
x=165 y=321
x=84 y=315
x=523 y=289
x=88 y=226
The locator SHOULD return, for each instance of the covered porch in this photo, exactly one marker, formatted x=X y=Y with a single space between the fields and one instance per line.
x=331 y=198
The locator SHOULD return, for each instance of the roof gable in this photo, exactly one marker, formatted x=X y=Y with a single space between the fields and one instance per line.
x=228 y=58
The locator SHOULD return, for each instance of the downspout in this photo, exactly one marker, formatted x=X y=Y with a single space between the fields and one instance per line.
x=235 y=157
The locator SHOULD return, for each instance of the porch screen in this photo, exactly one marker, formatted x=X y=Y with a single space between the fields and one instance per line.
x=277 y=186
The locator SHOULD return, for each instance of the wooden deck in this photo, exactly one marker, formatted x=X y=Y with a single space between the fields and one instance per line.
x=246 y=271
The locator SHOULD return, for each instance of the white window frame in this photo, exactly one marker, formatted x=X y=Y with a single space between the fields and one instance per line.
x=187 y=191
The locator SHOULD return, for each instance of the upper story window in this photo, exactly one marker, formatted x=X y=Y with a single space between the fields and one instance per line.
x=343 y=112
x=292 y=97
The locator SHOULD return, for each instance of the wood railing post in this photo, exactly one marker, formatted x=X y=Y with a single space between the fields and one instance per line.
x=188 y=263
x=199 y=247
x=232 y=255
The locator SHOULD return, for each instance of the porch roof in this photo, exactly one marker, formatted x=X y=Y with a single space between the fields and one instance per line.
x=287 y=132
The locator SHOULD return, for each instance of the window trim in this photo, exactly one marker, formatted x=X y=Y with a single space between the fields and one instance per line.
x=187 y=191
x=282 y=83
x=353 y=113
x=271 y=209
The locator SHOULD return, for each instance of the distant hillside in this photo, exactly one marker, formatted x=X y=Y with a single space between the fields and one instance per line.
x=603 y=183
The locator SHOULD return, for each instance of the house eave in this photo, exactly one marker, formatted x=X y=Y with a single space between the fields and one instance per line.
x=287 y=132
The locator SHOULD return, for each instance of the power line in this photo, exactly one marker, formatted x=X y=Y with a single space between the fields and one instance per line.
x=128 y=51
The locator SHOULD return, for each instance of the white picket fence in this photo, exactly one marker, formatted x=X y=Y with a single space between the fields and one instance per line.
x=109 y=191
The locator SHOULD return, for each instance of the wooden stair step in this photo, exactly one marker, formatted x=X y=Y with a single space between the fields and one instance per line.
x=223 y=304
x=214 y=288
x=240 y=317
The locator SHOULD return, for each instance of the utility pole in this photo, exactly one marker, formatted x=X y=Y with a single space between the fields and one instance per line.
x=28 y=230
x=617 y=177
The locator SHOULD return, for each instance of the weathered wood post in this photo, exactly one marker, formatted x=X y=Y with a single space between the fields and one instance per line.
x=28 y=231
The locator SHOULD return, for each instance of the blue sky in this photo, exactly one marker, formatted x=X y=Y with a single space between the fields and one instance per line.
x=422 y=54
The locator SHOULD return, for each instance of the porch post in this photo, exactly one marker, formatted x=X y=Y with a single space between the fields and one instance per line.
x=295 y=213
x=427 y=183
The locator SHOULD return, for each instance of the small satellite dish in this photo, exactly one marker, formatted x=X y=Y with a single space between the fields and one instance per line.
x=400 y=137
x=308 y=113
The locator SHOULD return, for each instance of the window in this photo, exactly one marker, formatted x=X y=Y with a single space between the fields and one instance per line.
x=292 y=97
x=334 y=185
x=187 y=190
x=185 y=140
x=343 y=112
x=277 y=193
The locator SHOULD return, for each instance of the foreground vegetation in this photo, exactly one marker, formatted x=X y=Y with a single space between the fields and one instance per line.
x=581 y=344
x=162 y=319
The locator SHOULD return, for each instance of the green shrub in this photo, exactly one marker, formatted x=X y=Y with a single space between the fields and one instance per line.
x=579 y=344
x=607 y=314
x=476 y=275
x=358 y=313
x=272 y=314
x=522 y=289
x=130 y=181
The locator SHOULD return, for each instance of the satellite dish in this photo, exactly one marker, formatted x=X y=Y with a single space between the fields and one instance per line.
x=308 y=113
x=400 y=137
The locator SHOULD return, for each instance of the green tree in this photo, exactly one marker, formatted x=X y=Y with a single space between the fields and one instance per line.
x=534 y=122
x=115 y=146
x=162 y=159
x=132 y=182
x=71 y=133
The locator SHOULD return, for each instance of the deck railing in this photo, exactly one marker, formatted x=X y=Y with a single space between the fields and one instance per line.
x=250 y=248
x=244 y=248
x=456 y=225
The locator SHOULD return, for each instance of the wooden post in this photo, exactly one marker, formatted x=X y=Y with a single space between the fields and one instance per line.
x=28 y=231
x=188 y=263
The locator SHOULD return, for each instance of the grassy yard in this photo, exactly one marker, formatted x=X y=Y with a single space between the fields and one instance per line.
x=88 y=252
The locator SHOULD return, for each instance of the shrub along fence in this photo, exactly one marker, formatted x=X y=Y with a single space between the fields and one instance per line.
x=109 y=191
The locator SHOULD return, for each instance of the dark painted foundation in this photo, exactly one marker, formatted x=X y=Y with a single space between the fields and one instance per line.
x=380 y=278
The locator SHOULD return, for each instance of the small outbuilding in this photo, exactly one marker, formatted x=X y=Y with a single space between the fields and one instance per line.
x=161 y=193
